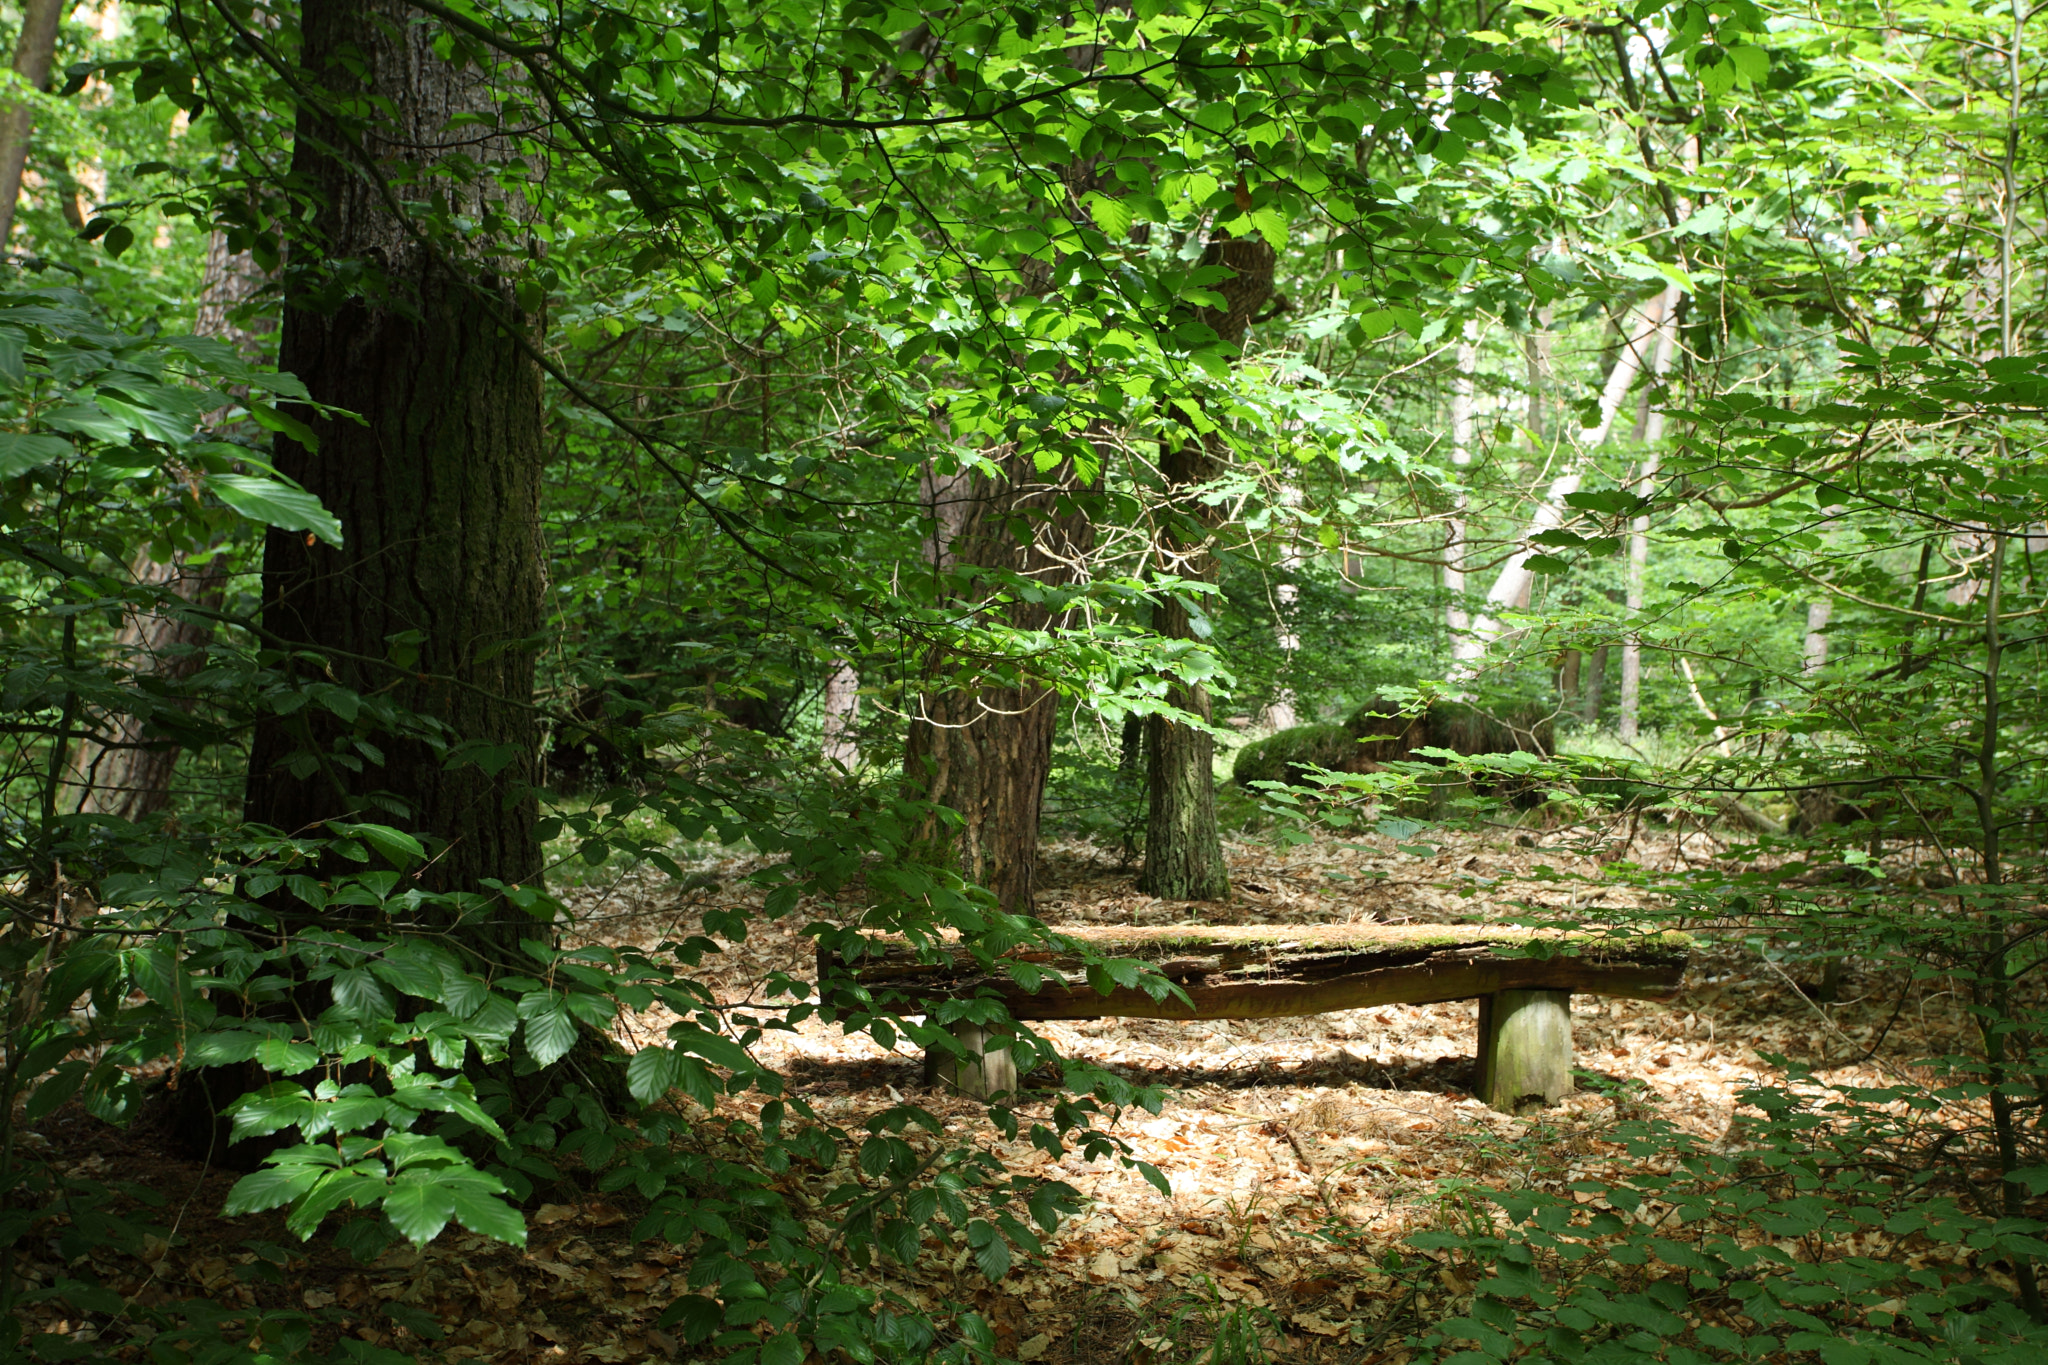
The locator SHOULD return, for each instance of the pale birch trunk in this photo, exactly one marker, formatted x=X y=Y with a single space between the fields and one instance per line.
x=1516 y=578
x=1629 y=720
x=1463 y=647
x=1280 y=713
x=841 y=747
x=1815 y=654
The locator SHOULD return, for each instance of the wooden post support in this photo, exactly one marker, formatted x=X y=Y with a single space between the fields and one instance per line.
x=988 y=1068
x=1525 y=1049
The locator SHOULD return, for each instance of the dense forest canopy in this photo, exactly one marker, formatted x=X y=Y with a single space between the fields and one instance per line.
x=459 y=459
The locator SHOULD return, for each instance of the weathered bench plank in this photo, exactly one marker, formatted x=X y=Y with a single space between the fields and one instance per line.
x=1265 y=972
x=1277 y=971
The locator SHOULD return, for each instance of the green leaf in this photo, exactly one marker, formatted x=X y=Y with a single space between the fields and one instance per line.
x=651 y=1073
x=419 y=1208
x=1113 y=216
x=19 y=454
x=273 y=420
x=400 y=849
x=285 y=1057
x=360 y=995
x=550 y=1035
x=416 y=1320
x=462 y=993
x=1751 y=63
x=274 y=503
x=718 y=1051
x=993 y=1258
x=270 y=1188
x=58 y=1087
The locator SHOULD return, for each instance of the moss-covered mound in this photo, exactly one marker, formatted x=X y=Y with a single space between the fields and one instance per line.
x=1288 y=754
x=1390 y=733
x=1381 y=731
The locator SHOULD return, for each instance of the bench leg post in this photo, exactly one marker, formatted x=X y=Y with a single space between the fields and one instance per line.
x=1525 y=1049
x=987 y=1069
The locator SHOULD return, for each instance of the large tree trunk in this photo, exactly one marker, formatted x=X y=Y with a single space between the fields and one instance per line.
x=429 y=606
x=1183 y=849
x=432 y=602
x=985 y=752
x=34 y=51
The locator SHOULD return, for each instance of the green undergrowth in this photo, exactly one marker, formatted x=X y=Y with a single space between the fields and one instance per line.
x=1803 y=1236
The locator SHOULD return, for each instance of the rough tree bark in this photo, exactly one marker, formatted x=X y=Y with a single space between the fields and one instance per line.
x=986 y=752
x=1183 y=849
x=431 y=602
x=34 y=52
x=433 y=599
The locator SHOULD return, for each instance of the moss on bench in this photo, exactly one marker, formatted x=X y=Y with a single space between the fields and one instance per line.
x=1277 y=971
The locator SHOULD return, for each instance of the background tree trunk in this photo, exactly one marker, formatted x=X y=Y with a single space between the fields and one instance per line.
x=34 y=51
x=1463 y=646
x=1511 y=589
x=986 y=752
x=1651 y=432
x=1183 y=849
x=1280 y=713
x=434 y=598
x=840 y=742
x=124 y=772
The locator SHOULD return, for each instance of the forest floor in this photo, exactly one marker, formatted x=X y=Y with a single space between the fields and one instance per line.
x=1300 y=1152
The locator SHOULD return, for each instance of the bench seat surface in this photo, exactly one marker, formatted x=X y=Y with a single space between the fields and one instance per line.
x=1273 y=971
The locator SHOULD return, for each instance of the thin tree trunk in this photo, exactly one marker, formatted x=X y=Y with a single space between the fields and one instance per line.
x=1183 y=847
x=34 y=52
x=437 y=486
x=125 y=772
x=1463 y=645
x=985 y=752
x=1815 y=654
x=1594 y=683
x=841 y=747
x=1516 y=578
x=1536 y=348
x=1629 y=721
x=1280 y=714
x=1568 y=669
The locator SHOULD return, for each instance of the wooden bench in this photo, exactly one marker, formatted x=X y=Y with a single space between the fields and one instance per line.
x=1524 y=980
